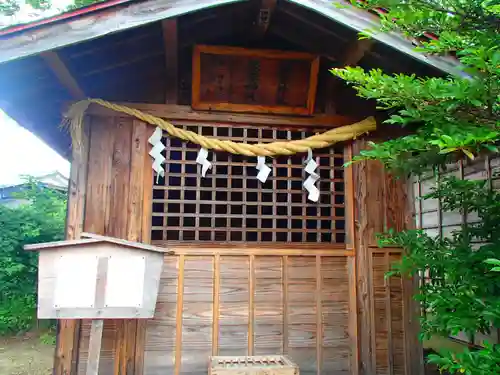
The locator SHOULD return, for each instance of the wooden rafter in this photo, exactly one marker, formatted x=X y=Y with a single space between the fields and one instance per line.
x=356 y=51
x=312 y=24
x=352 y=56
x=303 y=41
x=63 y=74
x=170 y=40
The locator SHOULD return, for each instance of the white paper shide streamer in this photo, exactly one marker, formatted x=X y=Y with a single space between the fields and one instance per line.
x=203 y=161
x=309 y=183
x=158 y=147
x=263 y=169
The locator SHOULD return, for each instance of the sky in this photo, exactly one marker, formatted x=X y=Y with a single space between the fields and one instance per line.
x=22 y=153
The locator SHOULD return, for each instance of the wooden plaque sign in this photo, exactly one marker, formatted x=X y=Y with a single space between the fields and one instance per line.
x=246 y=80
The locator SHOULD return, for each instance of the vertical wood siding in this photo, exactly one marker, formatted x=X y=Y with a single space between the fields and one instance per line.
x=113 y=207
x=388 y=317
x=273 y=294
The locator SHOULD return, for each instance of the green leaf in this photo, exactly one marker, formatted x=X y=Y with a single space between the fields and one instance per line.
x=469 y=154
x=495 y=262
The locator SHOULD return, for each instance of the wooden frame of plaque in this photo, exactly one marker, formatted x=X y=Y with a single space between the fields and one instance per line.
x=236 y=79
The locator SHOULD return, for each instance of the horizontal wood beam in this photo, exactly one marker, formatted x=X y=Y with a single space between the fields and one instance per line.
x=63 y=74
x=186 y=113
x=201 y=250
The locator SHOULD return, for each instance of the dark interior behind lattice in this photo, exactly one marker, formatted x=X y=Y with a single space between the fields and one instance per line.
x=230 y=205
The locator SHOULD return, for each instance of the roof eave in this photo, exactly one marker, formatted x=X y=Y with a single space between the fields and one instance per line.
x=88 y=25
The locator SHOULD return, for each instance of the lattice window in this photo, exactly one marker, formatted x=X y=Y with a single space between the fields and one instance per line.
x=230 y=205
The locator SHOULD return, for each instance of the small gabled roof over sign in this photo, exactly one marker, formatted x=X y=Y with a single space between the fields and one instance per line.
x=91 y=238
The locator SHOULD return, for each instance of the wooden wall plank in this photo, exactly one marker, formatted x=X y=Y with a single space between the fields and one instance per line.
x=178 y=316
x=137 y=184
x=114 y=206
x=160 y=341
x=147 y=205
x=285 y=304
x=117 y=218
x=68 y=331
x=388 y=307
x=397 y=319
x=197 y=314
x=335 y=343
x=251 y=307
x=381 y=315
x=99 y=175
x=117 y=225
x=234 y=304
x=215 y=312
x=319 y=317
x=268 y=305
x=302 y=313
x=353 y=317
x=97 y=216
x=138 y=227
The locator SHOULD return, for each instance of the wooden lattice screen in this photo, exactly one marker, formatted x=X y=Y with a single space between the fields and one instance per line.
x=230 y=205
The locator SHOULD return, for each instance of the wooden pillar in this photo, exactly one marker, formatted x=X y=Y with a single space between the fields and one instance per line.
x=68 y=330
x=109 y=193
x=381 y=202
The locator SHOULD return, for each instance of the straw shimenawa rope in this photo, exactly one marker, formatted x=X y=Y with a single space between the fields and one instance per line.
x=74 y=119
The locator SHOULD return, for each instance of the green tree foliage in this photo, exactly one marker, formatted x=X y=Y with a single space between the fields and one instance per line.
x=454 y=116
x=41 y=220
x=453 y=113
x=462 y=293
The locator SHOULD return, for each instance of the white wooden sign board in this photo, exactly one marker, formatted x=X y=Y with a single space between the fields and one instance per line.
x=97 y=278
x=76 y=277
x=125 y=281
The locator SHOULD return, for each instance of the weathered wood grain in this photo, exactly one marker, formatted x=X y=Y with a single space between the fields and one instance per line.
x=386 y=313
x=62 y=73
x=178 y=315
x=95 y=347
x=68 y=331
x=197 y=314
x=115 y=206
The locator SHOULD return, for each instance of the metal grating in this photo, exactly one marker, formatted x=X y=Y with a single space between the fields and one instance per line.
x=230 y=205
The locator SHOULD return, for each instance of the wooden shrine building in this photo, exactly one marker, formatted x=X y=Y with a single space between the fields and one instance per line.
x=259 y=268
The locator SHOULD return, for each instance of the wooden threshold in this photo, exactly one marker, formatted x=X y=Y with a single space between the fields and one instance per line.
x=174 y=112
